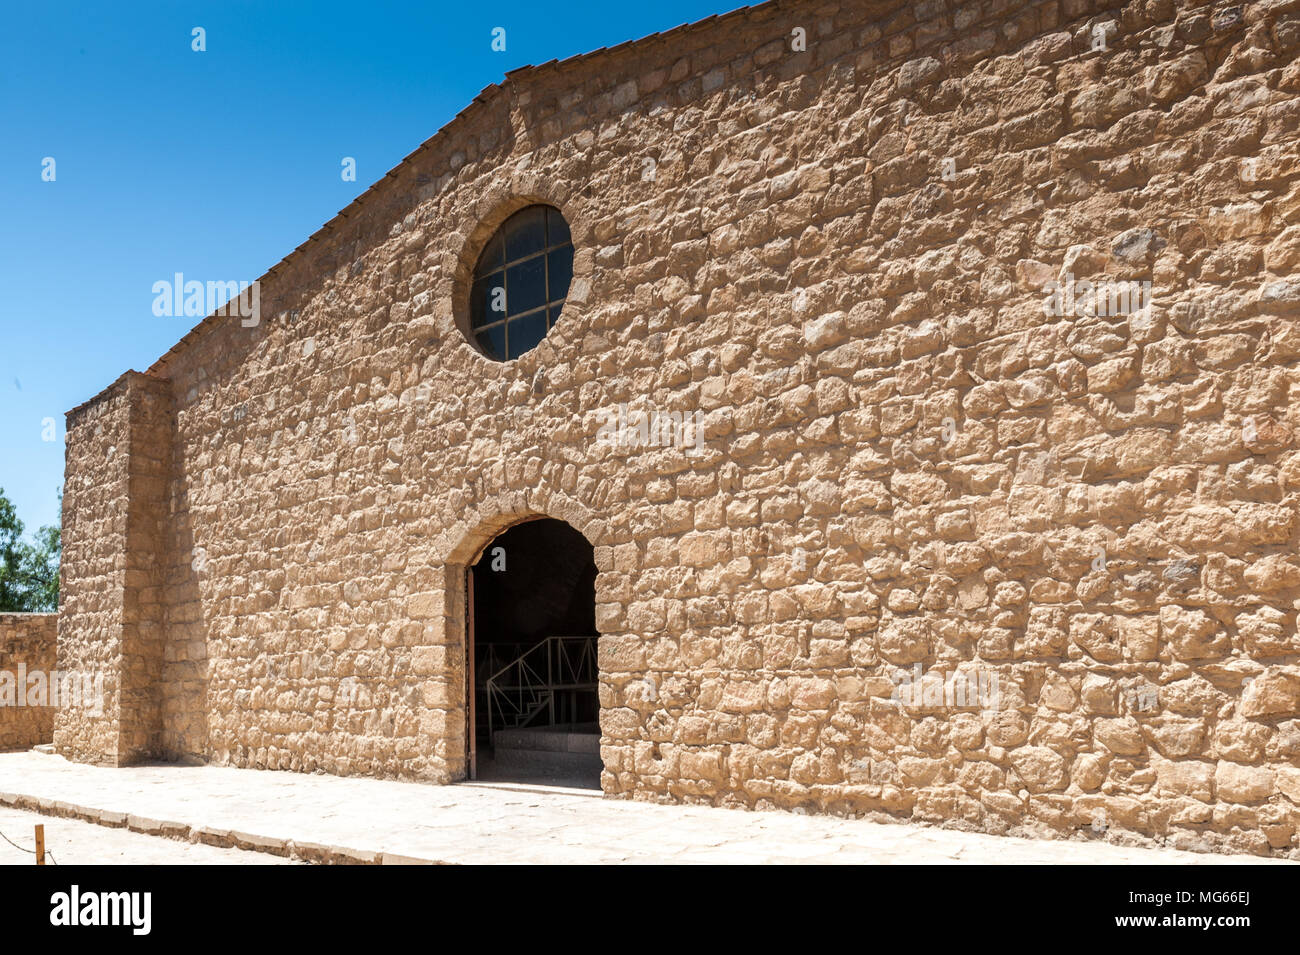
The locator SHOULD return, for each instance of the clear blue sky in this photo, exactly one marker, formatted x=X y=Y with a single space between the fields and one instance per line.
x=213 y=164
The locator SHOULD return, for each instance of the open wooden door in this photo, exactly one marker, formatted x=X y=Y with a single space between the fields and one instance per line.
x=471 y=695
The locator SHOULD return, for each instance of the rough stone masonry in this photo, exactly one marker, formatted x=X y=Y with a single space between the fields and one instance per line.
x=27 y=653
x=990 y=311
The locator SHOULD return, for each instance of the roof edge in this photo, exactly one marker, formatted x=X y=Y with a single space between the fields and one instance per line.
x=121 y=382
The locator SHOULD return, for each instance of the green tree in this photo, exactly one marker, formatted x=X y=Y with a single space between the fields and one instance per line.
x=12 y=597
x=42 y=568
x=29 y=573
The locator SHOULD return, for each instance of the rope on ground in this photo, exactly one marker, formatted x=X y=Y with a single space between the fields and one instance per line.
x=30 y=852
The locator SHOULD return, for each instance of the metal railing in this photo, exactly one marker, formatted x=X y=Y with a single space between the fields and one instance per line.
x=548 y=678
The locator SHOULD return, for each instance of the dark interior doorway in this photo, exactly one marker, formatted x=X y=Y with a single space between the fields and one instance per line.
x=533 y=637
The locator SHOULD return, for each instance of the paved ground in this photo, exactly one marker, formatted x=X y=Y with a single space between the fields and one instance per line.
x=72 y=842
x=344 y=819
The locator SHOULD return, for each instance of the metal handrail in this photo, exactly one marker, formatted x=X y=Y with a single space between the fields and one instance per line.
x=565 y=668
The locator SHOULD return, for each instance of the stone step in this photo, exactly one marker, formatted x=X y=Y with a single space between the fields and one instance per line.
x=563 y=738
x=548 y=749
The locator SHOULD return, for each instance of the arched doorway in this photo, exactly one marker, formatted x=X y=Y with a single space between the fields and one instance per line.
x=532 y=671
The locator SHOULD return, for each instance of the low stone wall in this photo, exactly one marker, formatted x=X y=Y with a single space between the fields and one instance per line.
x=27 y=642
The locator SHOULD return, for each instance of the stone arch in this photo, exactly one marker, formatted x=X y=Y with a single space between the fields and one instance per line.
x=462 y=542
x=460 y=545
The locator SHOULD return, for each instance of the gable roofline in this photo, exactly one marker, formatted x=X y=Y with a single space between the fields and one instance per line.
x=485 y=96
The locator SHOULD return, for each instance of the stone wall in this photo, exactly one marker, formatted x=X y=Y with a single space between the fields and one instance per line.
x=844 y=257
x=111 y=587
x=26 y=649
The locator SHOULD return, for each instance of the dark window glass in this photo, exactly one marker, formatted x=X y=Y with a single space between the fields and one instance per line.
x=526 y=333
x=494 y=256
x=526 y=285
x=527 y=233
x=560 y=266
x=493 y=340
x=481 y=298
x=524 y=270
x=557 y=230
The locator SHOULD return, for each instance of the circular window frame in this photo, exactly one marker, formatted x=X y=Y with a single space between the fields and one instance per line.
x=480 y=232
x=521 y=282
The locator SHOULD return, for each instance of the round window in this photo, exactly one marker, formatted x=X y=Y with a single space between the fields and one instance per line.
x=520 y=282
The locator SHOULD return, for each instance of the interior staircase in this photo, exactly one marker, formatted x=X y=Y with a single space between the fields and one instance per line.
x=535 y=715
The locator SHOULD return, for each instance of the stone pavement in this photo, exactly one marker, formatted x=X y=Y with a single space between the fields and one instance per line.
x=72 y=842
x=330 y=818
